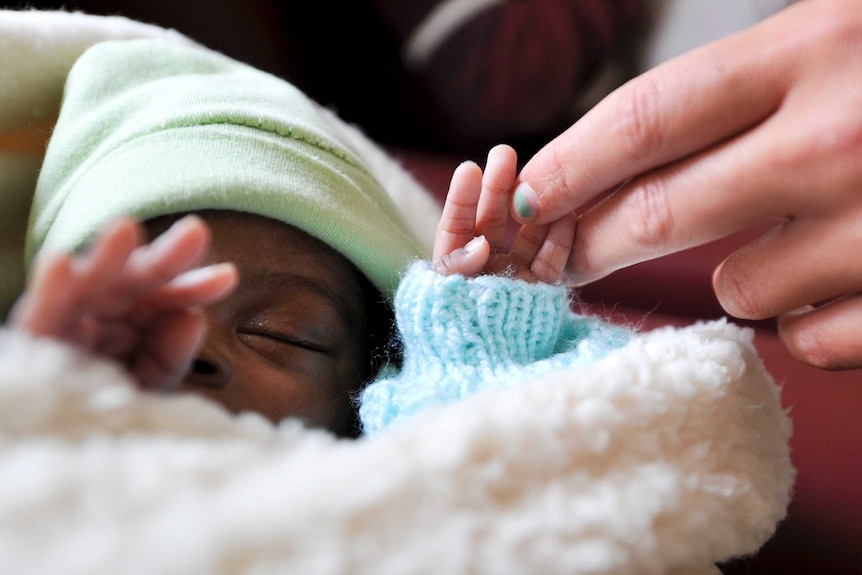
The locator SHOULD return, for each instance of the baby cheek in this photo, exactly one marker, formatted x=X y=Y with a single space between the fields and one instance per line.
x=313 y=391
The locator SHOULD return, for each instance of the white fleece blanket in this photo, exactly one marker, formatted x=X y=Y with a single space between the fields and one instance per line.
x=666 y=456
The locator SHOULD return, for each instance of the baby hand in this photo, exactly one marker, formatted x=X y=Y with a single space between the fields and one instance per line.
x=133 y=302
x=472 y=234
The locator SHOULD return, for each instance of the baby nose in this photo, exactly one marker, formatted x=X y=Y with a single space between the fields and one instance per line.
x=208 y=370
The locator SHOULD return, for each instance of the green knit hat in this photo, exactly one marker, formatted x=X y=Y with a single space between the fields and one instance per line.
x=150 y=128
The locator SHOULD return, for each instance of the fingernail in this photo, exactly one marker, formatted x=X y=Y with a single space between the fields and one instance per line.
x=186 y=221
x=203 y=274
x=524 y=201
x=167 y=240
x=176 y=228
x=474 y=245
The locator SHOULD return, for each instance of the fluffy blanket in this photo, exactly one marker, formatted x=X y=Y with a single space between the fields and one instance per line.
x=665 y=456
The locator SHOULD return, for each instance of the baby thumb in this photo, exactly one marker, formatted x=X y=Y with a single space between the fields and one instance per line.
x=468 y=261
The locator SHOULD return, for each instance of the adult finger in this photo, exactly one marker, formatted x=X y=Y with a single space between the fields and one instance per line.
x=798 y=163
x=827 y=337
x=801 y=262
x=457 y=224
x=686 y=105
x=493 y=212
x=742 y=182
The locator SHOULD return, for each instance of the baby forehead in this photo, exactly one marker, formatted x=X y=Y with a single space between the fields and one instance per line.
x=274 y=255
x=242 y=230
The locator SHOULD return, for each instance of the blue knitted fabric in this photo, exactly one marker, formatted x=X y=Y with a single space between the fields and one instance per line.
x=462 y=335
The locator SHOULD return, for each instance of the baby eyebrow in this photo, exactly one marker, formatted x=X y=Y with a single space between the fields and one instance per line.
x=284 y=281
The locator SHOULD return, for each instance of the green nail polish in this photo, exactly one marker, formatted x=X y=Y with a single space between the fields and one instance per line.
x=524 y=200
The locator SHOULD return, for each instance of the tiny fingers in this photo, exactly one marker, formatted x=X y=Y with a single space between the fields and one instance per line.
x=528 y=242
x=66 y=289
x=545 y=249
x=44 y=308
x=493 y=213
x=108 y=253
x=478 y=205
x=468 y=261
x=174 y=252
x=99 y=272
x=194 y=288
x=549 y=264
x=458 y=222
x=172 y=344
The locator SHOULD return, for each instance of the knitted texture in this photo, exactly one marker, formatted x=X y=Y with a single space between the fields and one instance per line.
x=464 y=335
x=150 y=127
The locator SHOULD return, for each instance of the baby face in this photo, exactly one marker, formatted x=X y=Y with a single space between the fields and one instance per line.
x=289 y=341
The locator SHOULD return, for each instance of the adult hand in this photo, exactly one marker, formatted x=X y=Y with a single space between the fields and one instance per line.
x=766 y=123
x=472 y=234
x=129 y=301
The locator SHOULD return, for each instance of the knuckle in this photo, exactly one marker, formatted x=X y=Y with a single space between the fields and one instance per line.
x=838 y=28
x=837 y=141
x=494 y=221
x=543 y=270
x=834 y=135
x=639 y=123
x=829 y=155
x=444 y=266
x=649 y=215
x=556 y=176
x=496 y=187
x=548 y=268
x=833 y=36
x=532 y=237
x=456 y=225
x=550 y=262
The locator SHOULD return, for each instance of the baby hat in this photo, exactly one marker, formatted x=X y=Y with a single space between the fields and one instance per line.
x=152 y=127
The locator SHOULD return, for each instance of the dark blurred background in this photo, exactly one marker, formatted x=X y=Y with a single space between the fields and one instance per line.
x=487 y=80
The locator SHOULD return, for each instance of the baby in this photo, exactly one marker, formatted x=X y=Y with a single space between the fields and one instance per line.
x=150 y=131
x=300 y=247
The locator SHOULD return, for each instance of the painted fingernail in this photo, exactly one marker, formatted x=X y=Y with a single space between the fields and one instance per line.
x=524 y=201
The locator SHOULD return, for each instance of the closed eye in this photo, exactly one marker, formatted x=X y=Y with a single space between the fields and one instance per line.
x=284 y=338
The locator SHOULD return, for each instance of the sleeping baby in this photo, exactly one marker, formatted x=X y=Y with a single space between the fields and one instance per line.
x=262 y=274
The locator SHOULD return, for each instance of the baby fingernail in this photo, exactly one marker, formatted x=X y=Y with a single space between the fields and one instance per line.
x=187 y=221
x=474 y=245
x=524 y=201
x=204 y=274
